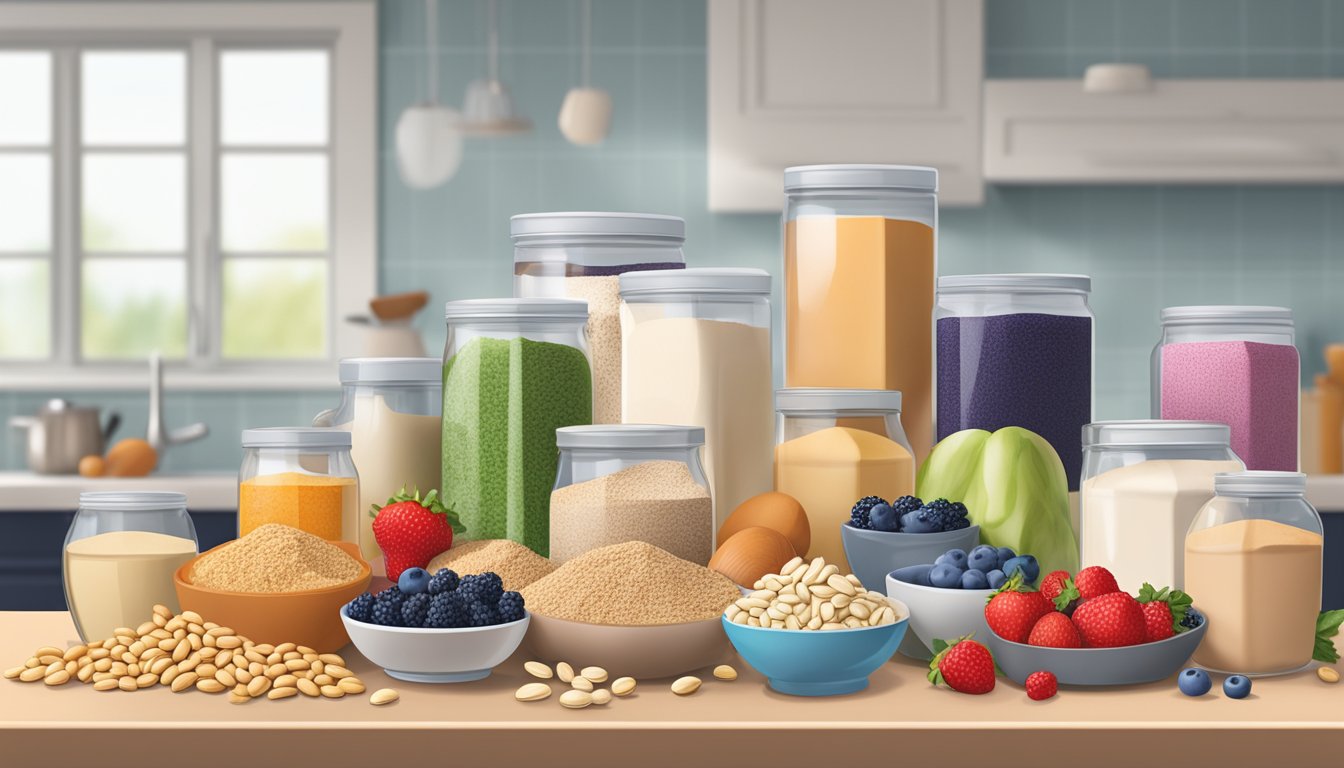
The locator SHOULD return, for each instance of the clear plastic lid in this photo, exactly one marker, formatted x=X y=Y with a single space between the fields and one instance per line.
x=817 y=400
x=1016 y=283
x=578 y=227
x=391 y=370
x=705 y=280
x=296 y=437
x=841 y=176
x=518 y=309
x=1260 y=483
x=625 y=436
x=133 y=500
x=1141 y=433
x=1228 y=315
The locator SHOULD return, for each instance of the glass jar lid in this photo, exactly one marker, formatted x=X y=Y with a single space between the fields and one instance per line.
x=595 y=226
x=1228 y=315
x=1025 y=282
x=517 y=309
x=1138 y=433
x=296 y=437
x=149 y=501
x=799 y=401
x=391 y=370
x=1260 y=483
x=707 y=280
x=840 y=176
x=619 y=436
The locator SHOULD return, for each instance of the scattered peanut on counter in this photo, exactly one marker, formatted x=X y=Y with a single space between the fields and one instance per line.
x=813 y=596
x=1327 y=674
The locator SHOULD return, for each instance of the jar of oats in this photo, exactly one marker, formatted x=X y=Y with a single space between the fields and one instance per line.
x=631 y=482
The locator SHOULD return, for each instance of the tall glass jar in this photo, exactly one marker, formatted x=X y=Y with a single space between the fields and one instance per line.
x=1016 y=351
x=860 y=247
x=1143 y=483
x=392 y=407
x=514 y=370
x=302 y=477
x=631 y=482
x=835 y=446
x=1253 y=562
x=580 y=255
x=120 y=556
x=696 y=351
x=1237 y=366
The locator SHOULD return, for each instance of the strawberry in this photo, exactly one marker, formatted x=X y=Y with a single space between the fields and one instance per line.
x=1012 y=611
x=1163 y=610
x=1110 y=621
x=412 y=530
x=964 y=666
x=1041 y=685
x=1054 y=630
x=1094 y=581
x=1053 y=584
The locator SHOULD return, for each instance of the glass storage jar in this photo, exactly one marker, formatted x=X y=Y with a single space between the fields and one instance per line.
x=302 y=477
x=631 y=482
x=514 y=370
x=580 y=255
x=1253 y=562
x=696 y=350
x=120 y=555
x=1016 y=351
x=1236 y=366
x=392 y=407
x=1143 y=483
x=860 y=247
x=835 y=446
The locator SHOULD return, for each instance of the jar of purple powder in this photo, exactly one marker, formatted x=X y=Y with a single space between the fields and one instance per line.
x=1016 y=351
x=1236 y=365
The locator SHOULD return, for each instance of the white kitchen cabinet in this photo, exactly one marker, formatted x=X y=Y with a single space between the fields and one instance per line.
x=795 y=82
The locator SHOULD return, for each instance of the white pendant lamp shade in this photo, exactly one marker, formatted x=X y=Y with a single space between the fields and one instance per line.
x=585 y=115
x=429 y=145
x=488 y=110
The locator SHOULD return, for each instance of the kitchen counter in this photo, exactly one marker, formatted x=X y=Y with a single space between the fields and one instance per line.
x=1293 y=720
x=31 y=492
x=1326 y=492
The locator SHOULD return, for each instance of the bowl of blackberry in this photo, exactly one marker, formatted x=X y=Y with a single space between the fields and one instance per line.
x=440 y=628
x=882 y=536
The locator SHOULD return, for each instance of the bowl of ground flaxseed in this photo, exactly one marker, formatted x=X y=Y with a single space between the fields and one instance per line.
x=276 y=584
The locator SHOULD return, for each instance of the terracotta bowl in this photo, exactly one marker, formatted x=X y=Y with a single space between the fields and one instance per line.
x=311 y=617
x=650 y=652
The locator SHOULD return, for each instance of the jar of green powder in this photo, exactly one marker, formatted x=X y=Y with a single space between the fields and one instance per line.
x=514 y=371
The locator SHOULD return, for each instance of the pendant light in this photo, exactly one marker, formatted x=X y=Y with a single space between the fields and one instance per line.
x=585 y=114
x=429 y=135
x=488 y=106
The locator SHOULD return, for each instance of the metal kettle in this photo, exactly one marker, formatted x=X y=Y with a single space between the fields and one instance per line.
x=62 y=433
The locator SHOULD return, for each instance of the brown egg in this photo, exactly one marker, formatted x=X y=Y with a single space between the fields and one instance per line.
x=131 y=457
x=777 y=511
x=752 y=553
x=92 y=466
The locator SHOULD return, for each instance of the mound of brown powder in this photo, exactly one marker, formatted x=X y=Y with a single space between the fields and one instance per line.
x=275 y=558
x=516 y=565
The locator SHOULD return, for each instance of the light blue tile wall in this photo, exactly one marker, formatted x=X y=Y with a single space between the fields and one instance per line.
x=1145 y=246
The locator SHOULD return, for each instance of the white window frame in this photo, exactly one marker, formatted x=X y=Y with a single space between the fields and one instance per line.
x=349 y=31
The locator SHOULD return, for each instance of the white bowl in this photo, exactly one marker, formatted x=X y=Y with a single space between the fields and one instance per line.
x=436 y=655
x=937 y=613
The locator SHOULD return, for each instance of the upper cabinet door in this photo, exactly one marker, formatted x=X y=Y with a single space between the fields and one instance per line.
x=794 y=82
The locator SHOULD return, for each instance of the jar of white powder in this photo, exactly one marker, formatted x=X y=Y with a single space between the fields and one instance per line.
x=631 y=482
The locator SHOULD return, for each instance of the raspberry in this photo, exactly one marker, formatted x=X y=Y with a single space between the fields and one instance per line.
x=1041 y=685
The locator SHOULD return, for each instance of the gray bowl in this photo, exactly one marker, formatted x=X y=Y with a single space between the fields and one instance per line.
x=1129 y=665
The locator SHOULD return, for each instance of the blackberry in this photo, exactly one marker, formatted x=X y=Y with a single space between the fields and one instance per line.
x=443 y=581
x=483 y=588
x=361 y=608
x=414 y=610
x=906 y=504
x=1192 y=619
x=387 y=607
x=510 y=607
x=481 y=615
x=945 y=515
x=858 y=516
x=446 y=611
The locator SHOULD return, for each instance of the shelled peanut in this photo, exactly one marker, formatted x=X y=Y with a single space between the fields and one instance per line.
x=811 y=595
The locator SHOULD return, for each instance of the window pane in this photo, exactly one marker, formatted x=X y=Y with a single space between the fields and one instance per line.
x=275 y=308
x=134 y=97
x=273 y=202
x=273 y=97
x=135 y=202
x=25 y=202
x=25 y=308
x=132 y=307
x=25 y=92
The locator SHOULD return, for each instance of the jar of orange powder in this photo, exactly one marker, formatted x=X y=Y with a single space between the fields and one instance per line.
x=302 y=477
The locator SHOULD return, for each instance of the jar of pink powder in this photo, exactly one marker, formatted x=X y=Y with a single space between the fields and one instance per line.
x=1237 y=366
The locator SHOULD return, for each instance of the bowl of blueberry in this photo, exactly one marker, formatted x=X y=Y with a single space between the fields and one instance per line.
x=438 y=629
x=947 y=597
x=881 y=537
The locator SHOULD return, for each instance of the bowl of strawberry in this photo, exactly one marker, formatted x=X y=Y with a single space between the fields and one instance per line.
x=1086 y=631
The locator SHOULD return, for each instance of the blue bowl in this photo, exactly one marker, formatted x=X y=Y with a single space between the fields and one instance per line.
x=818 y=663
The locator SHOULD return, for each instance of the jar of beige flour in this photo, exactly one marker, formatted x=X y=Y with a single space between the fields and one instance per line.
x=631 y=482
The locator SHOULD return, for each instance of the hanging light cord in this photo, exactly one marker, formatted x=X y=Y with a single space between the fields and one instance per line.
x=586 y=63
x=432 y=46
x=492 y=43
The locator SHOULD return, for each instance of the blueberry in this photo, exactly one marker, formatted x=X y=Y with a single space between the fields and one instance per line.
x=995 y=578
x=984 y=558
x=945 y=576
x=1031 y=570
x=1237 y=687
x=1005 y=554
x=914 y=574
x=954 y=557
x=413 y=581
x=974 y=579
x=919 y=521
x=883 y=518
x=1195 y=682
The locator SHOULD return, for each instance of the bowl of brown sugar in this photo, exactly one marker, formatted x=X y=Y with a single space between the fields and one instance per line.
x=276 y=584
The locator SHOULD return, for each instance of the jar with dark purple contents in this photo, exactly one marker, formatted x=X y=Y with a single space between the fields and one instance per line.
x=1016 y=351
x=580 y=255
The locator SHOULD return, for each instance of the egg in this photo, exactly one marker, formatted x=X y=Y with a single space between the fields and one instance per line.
x=776 y=511
x=92 y=466
x=751 y=553
x=131 y=457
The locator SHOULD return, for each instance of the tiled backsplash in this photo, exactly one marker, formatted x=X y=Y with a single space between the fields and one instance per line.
x=1145 y=246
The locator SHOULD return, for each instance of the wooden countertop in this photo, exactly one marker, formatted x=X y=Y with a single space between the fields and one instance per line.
x=1294 y=720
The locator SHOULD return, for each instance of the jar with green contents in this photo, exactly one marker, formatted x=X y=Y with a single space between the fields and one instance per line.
x=514 y=371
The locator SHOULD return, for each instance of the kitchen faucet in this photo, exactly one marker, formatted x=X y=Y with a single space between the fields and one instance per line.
x=158 y=435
